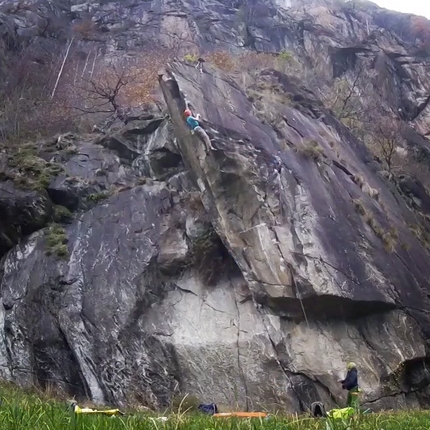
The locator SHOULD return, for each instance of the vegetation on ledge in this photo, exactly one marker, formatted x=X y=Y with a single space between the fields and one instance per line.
x=29 y=409
x=56 y=241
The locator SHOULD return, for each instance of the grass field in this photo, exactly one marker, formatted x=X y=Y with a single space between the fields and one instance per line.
x=21 y=411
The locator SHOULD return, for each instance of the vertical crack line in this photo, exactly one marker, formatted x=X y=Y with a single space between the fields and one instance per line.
x=299 y=296
x=239 y=366
x=287 y=376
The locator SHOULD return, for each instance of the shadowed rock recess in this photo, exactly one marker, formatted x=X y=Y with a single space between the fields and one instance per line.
x=146 y=267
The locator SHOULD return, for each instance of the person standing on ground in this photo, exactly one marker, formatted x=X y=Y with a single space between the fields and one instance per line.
x=350 y=383
x=193 y=123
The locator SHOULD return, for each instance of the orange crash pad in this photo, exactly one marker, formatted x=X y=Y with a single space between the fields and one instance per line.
x=241 y=415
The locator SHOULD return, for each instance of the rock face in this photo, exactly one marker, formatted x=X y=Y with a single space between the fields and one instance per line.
x=21 y=214
x=248 y=275
x=330 y=36
x=150 y=303
x=307 y=238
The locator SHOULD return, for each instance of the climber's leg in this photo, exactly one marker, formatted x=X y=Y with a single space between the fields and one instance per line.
x=353 y=400
x=203 y=135
x=199 y=66
x=349 y=400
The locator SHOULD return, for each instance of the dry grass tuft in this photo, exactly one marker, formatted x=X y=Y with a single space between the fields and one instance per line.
x=312 y=150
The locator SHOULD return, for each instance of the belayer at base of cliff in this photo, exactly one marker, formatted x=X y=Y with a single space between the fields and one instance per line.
x=350 y=383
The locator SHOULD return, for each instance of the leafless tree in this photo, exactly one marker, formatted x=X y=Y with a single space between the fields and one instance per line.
x=113 y=89
x=101 y=94
x=385 y=138
x=344 y=96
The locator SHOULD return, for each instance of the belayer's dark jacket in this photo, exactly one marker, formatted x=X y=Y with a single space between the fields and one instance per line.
x=351 y=380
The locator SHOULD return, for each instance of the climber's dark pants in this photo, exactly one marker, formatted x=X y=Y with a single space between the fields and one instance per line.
x=353 y=401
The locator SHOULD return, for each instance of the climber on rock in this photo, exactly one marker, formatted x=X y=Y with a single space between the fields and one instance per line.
x=350 y=383
x=193 y=123
x=199 y=65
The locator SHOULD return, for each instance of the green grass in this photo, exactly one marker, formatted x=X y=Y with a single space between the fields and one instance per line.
x=34 y=172
x=26 y=410
x=62 y=214
x=56 y=241
x=99 y=197
x=312 y=150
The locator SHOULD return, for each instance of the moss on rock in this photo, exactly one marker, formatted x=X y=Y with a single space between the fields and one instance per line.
x=98 y=197
x=31 y=171
x=56 y=241
x=62 y=214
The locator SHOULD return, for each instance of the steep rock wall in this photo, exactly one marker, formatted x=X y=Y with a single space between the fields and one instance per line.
x=292 y=266
x=314 y=265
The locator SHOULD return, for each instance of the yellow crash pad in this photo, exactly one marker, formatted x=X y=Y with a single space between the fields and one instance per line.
x=79 y=410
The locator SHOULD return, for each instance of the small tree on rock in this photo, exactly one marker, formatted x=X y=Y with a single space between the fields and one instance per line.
x=102 y=93
x=113 y=89
x=385 y=139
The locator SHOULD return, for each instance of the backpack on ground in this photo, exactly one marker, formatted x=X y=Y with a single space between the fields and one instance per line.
x=318 y=409
x=209 y=409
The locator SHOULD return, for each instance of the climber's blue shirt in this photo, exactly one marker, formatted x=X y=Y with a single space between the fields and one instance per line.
x=192 y=122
